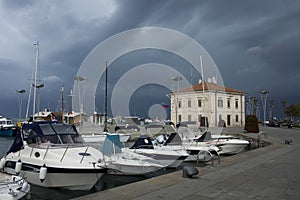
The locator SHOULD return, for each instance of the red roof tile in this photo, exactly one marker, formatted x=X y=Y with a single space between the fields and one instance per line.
x=210 y=86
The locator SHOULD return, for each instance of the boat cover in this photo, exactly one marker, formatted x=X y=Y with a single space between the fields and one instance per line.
x=143 y=142
x=173 y=139
x=206 y=136
x=111 y=145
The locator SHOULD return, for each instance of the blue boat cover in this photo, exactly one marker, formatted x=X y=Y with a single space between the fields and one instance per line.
x=111 y=145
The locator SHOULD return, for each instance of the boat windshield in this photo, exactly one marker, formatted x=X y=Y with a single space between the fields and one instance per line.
x=54 y=134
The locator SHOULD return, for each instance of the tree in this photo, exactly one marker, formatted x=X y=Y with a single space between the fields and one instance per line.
x=292 y=110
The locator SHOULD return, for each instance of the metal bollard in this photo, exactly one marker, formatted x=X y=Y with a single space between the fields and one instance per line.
x=189 y=171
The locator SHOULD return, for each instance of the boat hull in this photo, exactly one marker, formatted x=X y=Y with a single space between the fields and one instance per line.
x=70 y=179
x=171 y=159
x=7 y=132
x=134 y=169
x=231 y=148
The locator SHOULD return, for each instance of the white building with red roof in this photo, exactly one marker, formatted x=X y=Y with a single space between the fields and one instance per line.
x=208 y=104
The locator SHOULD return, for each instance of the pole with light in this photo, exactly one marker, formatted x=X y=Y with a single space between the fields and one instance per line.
x=79 y=79
x=264 y=95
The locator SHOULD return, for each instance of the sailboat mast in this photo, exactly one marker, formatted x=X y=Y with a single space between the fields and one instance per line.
x=105 y=100
x=35 y=77
x=29 y=96
x=203 y=82
x=62 y=103
x=71 y=101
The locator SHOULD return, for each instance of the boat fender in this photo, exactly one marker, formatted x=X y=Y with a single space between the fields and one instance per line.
x=18 y=167
x=43 y=173
x=2 y=162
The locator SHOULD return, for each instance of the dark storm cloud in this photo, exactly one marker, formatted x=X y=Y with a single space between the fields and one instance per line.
x=254 y=43
x=17 y=4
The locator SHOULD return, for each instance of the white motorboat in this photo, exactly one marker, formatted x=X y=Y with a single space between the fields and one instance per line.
x=51 y=154
x=125 y=162
x=171 y=157
x=226 y=143
x=95 y=134
x=196 y=151
x=99 y=138
x=13 y=187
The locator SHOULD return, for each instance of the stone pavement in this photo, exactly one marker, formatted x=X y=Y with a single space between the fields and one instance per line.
x=271 y=172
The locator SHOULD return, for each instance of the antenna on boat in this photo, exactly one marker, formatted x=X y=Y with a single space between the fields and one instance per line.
x=105 y=100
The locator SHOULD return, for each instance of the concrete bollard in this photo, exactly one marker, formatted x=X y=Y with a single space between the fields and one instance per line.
x=189 y=171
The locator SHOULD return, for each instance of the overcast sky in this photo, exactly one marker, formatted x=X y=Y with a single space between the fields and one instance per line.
x=255 y=44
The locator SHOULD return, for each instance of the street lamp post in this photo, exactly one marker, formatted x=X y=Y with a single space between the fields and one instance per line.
x=79 y=79
x=264 y=95
x=21 y=92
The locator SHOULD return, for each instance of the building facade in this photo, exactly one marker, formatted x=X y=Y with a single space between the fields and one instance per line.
x=208 y=104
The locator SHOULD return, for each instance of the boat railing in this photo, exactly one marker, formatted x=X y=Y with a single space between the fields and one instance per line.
x=53 y=145
x=67 y=147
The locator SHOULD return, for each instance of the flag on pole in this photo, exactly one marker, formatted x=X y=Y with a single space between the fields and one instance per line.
x=164 y=105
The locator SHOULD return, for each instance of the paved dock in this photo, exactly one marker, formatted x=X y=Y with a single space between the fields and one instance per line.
x=271 y=172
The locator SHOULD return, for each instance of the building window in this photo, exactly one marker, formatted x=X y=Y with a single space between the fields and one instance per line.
x=199 y=103
x=228 y=103
x=236 y=103
x=220 y=103
x=179 y=118
x=189 y=118
x=236 y=118
x=228 y=120
x=179 y=104
x=189 y=103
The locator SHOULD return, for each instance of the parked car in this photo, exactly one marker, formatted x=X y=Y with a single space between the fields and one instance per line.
x=273 y=123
